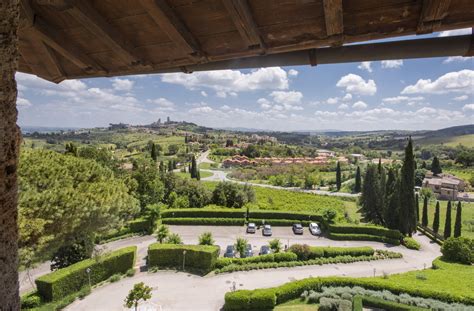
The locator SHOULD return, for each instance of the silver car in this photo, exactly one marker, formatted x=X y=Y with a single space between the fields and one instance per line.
x=267 y=230
x=251 y=228
x=314 y=228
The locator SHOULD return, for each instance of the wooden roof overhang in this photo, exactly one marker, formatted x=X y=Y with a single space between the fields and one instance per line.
x=66 y=39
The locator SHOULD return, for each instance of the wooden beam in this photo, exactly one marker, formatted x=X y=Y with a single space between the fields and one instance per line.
x=432 y=13
x=52 y=63
x=28 y=13
x=84 y=13
x=65 y=47
x=333 y=16
x=171 y=24
x=241 y=15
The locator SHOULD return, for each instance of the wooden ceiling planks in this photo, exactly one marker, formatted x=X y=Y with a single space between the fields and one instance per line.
x=88 y=38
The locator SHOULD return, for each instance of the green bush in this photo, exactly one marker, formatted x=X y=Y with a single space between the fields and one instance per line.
x=60 y=283
x=199 y=258
x=374 y=302
x=204 y=221
x=265 y=214
x=357 y=304
x=305 y=252
x=279 y=222
x=458 y=250
x=30 y=300
x=369 y=230
x=362 y=237
x=411 y=243
x=203 y=213
x=264 y=299
x=141 y=225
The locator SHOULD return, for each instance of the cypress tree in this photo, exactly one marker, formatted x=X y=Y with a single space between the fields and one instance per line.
x=194 y=168
x=435 y=166
x=358 y=181
x=154 y=154
x=407 y=224
x=436 y=218
x=198 y=175
x=162 y=167
x=371 y=209
x=458 y=222
x=417 y=206
x=338 y=176
x=423 y=165
x=447 y=224
x=424 y=219
x=170 y=165
x=392 y=199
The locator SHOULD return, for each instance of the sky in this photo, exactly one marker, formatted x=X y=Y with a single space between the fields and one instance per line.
x=396 y=94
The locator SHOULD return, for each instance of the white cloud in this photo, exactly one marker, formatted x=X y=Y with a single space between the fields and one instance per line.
x=456 y=32
x=292 y=73
x=452 y=82
x=122 y=84
x=402 y=99
x=456 y=59
x=326 y=114
x=468 y=107
x=23 y=102
x=357 y=85
x=332 y=100
x=365 y=66
x=163 y=104
x=264 y=103
x=226 y=82
x=290 y=97
x=225 y=107
x=359 y=105
x=343 y=106
x=203 y=93
x=396 y=63
x=347 y=97
x=204 y=109
x=461 y=98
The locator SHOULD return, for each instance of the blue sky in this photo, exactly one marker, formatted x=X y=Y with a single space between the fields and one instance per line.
x=410 y=94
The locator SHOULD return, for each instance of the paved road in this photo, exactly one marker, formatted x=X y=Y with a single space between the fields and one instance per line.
x=183 y=291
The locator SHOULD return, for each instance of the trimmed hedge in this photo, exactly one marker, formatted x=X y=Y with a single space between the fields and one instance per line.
x=343 y=251
x=264 y=214
x=203 y=213
x=141 y=225
x=276 y=257
x=200 y=258
x=279 y=222
x=362 y=237
x=262 y=299
x=60 y=283
x=204 y=221
x=411 y=243
x=369 y=230
x=292 y=290
x=374 y=302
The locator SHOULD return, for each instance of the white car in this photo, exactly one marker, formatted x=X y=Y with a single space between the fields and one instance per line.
x=251 y=228
x=314 y=228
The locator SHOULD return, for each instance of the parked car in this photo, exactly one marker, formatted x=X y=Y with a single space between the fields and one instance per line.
x=229 y=251
x=297 y=229
x=267 y=230
x=251 y=228
x=314 y=228
x=265 y=250
x=248 y=251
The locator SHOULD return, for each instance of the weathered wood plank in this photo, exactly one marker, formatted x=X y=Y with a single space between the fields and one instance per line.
x=432 y=14
x=333 y=16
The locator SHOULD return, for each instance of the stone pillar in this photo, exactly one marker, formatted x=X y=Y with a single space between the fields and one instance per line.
x=9 y=150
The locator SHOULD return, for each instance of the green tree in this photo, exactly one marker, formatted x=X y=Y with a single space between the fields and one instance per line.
x=358 y=181
x=407 y=218
x=162 y=233
x=77 y=250
x=338 y=176
x=435 y=166
x=447 y=224
x=458 y=221
x=173 y=149
x=241 y=246
x=392 y=192
x=275 y=245
x=436 y=218
x=139 y=292
x=424 y=218
x=150 y=188
x=193 y=168
x=465 y=157
x=174 y=238
x=371 y=208
x=417 y=207
x=154 y=152
x=206 y=239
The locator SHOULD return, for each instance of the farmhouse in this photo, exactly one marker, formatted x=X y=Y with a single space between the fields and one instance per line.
x=445 y=186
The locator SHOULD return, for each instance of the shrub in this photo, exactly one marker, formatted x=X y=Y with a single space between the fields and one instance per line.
x=238 y=300
x=206 y=239
x=302 y=251
x=329 y=304
x=203 y=213
x=205 y=221
x=115 y=278
x=362 y=237
x=267 y=215
x=369 y=230
x=383 y=304
x=141 y=225
x=287 y=256
x=305 y=252
x=201 y=258
x=63 y=282
x=130 y=272
x=279 y=222
x=275 y=245
x=458 y=250
x=173 y=238
x=30 y=300
x=411 y=243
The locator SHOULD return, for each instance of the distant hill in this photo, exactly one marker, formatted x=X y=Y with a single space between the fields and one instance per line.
x=463 y=134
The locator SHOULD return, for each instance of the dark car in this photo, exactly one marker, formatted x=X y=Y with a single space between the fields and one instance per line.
x=265 y=250
x=267 y=230
x=229 y=251
x=248 y=251
x=297 y=229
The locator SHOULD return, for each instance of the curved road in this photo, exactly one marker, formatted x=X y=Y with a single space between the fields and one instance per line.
x=183 y=291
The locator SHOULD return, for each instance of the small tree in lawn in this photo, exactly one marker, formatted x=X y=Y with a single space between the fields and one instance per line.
x=424 y=217
x=458 y=221
x=358 y=181
x=206 y=239
x=174 y=238
x=338 y=176
x=436 y=218
x=447 y=224
x=275 y=245
x=162 y=233
x=140 y=291
x=435 y=166
x=241 y=246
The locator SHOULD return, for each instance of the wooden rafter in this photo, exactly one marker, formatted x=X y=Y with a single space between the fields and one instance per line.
x=171 y=24
x=243 y=20
x=52 y=63
x=432 y=13
x=333 y=16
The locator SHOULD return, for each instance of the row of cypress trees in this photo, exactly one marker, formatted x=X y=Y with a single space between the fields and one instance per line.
x=447 y=223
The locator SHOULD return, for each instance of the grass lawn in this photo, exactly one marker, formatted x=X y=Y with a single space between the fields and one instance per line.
x=186 y=175
x=296 y=305
x=467 y=216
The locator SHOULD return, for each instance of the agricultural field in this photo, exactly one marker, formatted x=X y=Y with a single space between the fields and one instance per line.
x=451 y=141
